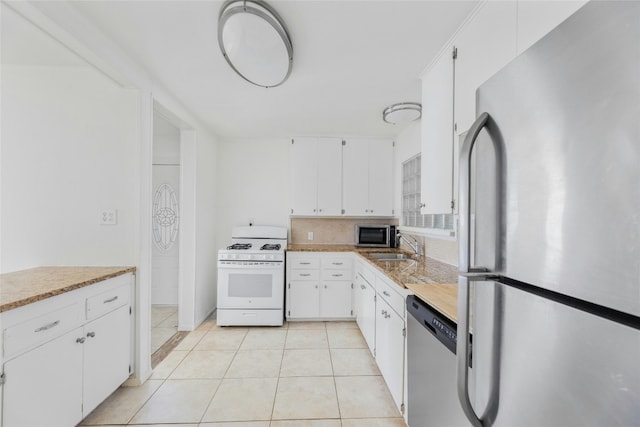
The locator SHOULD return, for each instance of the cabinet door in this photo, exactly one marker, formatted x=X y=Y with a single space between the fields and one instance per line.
x=437 y=137
x=329 y=156
x=106 y=356
x=390 y=349
x=381 y=178
x=304 y=176
x=485 y=45
x=335 y=299
x=304 y=299
x=536 y=18
x=44 y=386
x=366 y=316
x=355 y=171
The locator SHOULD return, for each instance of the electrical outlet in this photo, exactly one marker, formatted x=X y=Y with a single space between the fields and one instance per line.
x=109 y=217
x=310 y=235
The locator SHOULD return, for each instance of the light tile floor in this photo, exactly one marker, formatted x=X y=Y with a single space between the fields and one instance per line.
x=164 y=323
x=304 y=374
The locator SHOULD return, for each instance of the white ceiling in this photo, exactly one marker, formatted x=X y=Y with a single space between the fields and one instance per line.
x=351 y=60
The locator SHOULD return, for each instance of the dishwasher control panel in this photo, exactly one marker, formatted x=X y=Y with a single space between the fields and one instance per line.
x=434 y=322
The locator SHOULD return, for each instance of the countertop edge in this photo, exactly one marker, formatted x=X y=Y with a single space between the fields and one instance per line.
x=29 y=299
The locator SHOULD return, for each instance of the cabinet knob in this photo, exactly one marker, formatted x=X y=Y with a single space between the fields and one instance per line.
x=319 y=210
x=325 y=286
x=80 y=340
x=386 y=294
x=363 y=287
x=316 y=286
x=91 y=334
x=422 y=205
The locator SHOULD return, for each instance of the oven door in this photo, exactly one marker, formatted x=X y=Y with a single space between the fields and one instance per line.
x=245 y=285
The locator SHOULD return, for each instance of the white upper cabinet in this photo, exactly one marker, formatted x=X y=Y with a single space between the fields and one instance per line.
x=368 y=177
x=536 y=18
x=316 y=178
x=485 y=45
x=437 y=136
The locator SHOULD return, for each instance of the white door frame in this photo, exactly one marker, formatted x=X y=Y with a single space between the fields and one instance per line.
x=187 y=234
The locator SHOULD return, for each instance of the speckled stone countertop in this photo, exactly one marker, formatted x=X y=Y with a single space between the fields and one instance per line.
x=423 y=271
x=28 y=286
x=432 y=281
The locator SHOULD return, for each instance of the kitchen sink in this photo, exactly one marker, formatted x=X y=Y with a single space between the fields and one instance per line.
x=391 y=257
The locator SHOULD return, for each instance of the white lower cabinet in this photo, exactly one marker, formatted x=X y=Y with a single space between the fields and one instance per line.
x=106 y=357
x=366 y=306
x=319 y=286
x=58 y=366
x=44 y=386
x=390 y=333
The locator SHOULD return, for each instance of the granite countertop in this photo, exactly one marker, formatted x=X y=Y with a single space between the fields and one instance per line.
x=432 y=281
x=28 y=286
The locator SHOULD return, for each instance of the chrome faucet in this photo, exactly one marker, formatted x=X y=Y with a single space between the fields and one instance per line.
x=415 y=245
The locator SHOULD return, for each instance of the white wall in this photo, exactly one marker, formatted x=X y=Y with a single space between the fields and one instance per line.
x=69 y=150
x=206 y=220
x=253 y=184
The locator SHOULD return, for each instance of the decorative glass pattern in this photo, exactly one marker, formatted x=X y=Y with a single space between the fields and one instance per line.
x=165 y=217
x=411 y=199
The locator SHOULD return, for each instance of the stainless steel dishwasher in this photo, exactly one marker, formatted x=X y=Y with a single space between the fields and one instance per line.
x=431 y=368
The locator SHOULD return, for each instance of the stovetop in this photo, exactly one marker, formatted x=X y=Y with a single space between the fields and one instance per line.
x=256 y=243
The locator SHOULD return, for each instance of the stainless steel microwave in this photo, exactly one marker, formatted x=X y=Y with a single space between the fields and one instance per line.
x=376 y=236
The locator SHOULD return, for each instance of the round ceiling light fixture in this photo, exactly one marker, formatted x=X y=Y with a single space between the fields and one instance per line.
x=255 y=42
x=401 y=113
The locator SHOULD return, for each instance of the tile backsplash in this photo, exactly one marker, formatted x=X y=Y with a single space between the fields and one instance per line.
x=342 y=231
x=330 y=231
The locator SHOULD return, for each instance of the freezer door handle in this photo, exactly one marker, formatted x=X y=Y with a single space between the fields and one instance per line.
x=465 y=192
x=463 y=352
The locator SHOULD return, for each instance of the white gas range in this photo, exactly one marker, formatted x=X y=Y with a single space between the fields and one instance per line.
x=251 y=277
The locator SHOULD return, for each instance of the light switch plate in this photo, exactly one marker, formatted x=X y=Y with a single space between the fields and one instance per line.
x=310 y=235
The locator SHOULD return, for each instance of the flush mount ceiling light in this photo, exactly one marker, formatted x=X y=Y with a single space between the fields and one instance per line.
x=401 y=113
x=255 y=42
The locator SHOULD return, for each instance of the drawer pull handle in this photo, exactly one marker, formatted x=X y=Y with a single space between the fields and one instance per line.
x=383 y=312
x=107 y=301
x=386 y=294
x=305 y=274
x=49 y=326
x=363 y=287
x=80 y=340
x=305 y=263
x=336 y=275
x=91 y=334
x=337 y=263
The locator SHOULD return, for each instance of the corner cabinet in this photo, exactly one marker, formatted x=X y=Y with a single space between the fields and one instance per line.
x=367 y=171
x=319 y=286
x=438 y=153
x=495 y=34
x=316 y=182
x=64 y=355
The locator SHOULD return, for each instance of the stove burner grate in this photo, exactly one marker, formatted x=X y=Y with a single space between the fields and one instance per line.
x=270 y=247
x=240 y=246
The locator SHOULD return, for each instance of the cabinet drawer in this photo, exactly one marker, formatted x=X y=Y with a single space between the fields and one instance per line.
x=107 y=301
x=41 y=329
x=337 y=275
x=337 y=263
x=306 y=263
x=391 y=296
x=304 y=275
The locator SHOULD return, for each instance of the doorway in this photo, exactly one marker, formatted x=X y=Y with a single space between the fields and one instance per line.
x=165 y=270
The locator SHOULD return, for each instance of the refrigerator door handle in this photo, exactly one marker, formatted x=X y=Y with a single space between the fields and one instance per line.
x=465 y=192
x=463 y=352
x=466 y=272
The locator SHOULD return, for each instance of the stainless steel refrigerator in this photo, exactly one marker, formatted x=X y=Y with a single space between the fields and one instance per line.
x=549 y=231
